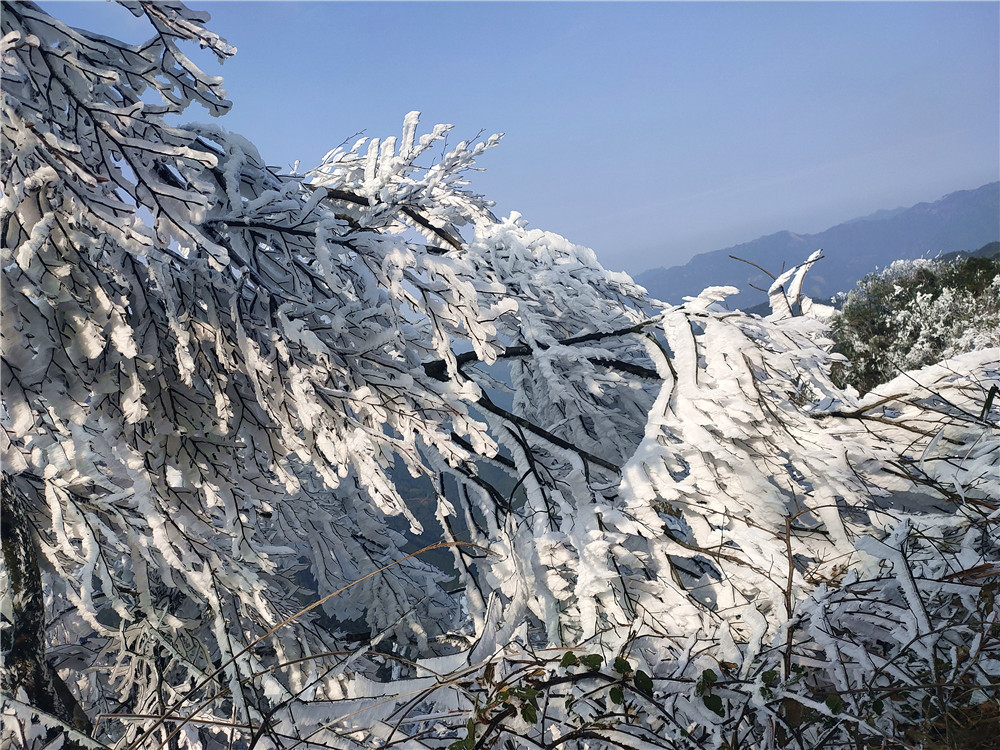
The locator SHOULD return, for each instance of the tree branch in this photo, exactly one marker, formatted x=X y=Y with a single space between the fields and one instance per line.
x=360 y=200
x=439 y=371
x=485 y=402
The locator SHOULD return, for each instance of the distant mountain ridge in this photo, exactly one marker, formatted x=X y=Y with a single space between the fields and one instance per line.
x=963 y=220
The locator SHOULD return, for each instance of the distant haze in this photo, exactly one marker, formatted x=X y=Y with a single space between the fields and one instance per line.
x=648 y=131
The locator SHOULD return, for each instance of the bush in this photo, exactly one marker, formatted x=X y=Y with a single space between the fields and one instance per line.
x=915 y=313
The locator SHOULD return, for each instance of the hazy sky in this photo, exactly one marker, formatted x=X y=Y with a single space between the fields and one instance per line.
x=650 y=131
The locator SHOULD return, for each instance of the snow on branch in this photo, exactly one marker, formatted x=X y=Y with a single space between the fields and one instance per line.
x=236 y=402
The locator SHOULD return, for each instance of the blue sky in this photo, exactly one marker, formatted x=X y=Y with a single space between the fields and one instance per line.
x=649 y=131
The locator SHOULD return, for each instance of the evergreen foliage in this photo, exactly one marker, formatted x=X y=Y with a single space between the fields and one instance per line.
x=915 y=313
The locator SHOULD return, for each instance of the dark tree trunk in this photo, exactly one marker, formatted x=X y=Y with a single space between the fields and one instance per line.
x=23 y=643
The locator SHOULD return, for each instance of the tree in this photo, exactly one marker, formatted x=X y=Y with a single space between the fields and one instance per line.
x=916 y=313
x=215 y=373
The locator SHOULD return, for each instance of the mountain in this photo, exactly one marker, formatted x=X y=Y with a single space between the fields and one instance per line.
x=963 y=220
x=991 y=250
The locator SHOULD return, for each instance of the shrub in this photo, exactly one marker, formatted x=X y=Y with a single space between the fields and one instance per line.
x=915 y=313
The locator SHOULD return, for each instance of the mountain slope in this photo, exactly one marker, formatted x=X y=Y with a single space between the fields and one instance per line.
x=963 y=220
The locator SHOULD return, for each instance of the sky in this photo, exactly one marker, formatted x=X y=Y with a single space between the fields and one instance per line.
x=648 y=131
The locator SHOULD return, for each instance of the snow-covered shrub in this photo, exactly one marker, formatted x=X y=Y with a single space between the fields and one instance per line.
x=906 y=652
x=901 y=647
x=915 y=313
x=212 y=373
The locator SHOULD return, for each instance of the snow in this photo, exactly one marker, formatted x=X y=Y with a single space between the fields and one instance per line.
x=212 y=374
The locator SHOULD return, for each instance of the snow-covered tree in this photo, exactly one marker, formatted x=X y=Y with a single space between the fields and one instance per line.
x=216 y=375
x=915 y=313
